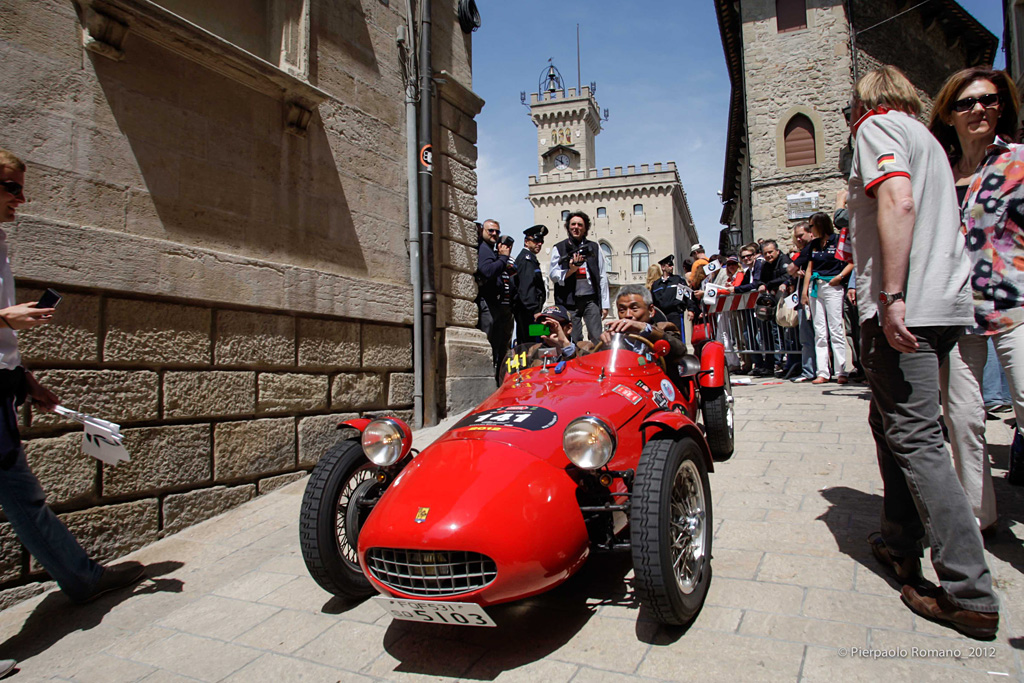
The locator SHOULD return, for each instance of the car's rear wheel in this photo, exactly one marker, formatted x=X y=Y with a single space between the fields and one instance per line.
x=719 y=419
x=670 y=530
x=331 y=517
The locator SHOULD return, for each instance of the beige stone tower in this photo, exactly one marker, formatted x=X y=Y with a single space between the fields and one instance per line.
x=638 y=217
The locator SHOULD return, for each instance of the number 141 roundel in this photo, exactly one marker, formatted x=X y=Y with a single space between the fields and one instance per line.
x=533 y=418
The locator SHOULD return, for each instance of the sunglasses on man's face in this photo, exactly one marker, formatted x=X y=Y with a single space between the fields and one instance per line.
x=12 y=188
x=967 y=104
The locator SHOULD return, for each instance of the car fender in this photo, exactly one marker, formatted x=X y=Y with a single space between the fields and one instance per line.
x=712 y=365
x=356 y=423
x=672 y=422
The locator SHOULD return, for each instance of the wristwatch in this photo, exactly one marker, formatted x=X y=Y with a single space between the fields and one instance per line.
x=887 y=299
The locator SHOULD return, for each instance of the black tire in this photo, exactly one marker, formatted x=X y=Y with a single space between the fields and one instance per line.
x=716 y=405
x=671 y=500
x=326 y=532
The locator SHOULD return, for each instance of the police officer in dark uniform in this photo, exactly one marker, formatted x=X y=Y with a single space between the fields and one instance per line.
x=532 y=291
x=667 y=292
x=495 y=279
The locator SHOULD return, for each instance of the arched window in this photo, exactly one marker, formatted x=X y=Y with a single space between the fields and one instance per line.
x=638 y=209
x=602 y=212
x=606 y=251
x=640 y=256
x=799 y=142
x=790 y=15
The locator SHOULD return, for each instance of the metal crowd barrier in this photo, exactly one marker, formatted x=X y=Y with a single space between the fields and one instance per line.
x=732 y=321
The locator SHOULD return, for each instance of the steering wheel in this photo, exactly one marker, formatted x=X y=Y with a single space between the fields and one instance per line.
x=647 y=342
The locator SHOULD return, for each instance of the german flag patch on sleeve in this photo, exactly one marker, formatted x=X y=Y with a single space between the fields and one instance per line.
x=887 y=158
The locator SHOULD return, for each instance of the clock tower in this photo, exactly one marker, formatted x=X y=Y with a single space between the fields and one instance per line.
x=566 y=122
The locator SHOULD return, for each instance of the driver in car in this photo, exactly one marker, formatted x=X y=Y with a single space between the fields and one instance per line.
x=636 y=310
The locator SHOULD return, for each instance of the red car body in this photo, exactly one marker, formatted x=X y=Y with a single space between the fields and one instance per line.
x=500 y=485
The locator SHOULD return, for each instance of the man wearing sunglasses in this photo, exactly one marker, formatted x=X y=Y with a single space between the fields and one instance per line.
x=495 y=279
x=21 y=495
x=531 y=292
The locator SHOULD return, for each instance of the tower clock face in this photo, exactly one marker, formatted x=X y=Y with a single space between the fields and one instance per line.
x=562 y=162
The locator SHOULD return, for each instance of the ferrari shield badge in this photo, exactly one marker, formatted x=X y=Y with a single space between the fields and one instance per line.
x=421 y=515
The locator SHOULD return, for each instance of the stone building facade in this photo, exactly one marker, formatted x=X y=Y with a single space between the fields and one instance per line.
x=1013 y=42
x=219 y=190
x=637 y=217
x=792 y=64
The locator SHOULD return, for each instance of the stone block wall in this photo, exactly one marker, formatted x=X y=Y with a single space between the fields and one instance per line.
x=216 y=406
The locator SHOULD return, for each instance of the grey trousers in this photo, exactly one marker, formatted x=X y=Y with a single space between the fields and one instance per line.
x=923 y=496
x=587 y=310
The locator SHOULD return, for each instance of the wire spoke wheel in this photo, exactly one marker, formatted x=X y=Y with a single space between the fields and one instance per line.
x=670 y=529
x=718 y=409
x=331 y=517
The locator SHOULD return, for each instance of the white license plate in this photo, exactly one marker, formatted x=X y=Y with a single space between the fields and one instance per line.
x=453 y=613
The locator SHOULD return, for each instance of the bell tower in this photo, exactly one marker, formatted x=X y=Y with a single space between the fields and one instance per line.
x=566 y=122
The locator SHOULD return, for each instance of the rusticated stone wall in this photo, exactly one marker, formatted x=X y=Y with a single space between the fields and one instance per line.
x=216 y=406
x=231 y=238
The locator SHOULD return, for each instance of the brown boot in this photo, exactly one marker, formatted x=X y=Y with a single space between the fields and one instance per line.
x=903 y=569
x=934 y=605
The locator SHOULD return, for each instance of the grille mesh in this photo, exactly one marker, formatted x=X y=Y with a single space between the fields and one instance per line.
x=431 y=573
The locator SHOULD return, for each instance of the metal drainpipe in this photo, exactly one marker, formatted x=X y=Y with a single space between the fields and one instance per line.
x=414 y=228
x=426 y=177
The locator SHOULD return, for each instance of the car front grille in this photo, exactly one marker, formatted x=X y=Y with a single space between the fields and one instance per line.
x=430 y=573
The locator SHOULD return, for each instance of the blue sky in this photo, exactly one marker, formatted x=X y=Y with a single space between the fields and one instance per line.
x=660 y=72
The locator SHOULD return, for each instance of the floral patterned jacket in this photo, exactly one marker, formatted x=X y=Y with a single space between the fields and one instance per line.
x=993 y=222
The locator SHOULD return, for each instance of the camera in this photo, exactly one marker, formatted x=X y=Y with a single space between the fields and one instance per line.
x=506 y=240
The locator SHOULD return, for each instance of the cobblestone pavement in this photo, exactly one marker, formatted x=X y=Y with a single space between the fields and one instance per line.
x=796 y=594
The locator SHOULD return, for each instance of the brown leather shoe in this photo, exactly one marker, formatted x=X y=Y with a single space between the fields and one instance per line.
x=934 y=605
x=116 y=577
x=842 y=379
x=903 y=569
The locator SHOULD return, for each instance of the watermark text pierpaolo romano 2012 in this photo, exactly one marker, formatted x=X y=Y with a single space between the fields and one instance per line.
x=968 y=652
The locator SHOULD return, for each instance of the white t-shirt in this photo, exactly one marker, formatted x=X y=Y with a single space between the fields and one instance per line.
x=887 y=144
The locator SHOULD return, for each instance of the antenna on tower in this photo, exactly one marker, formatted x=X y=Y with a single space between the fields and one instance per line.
x=522 y=98
x=579 y=81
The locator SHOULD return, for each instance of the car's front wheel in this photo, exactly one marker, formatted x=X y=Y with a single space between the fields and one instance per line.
x=331 y=517
x=671 y=528
x=718 y=410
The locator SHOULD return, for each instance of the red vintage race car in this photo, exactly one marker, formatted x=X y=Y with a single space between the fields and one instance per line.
x=603 y=453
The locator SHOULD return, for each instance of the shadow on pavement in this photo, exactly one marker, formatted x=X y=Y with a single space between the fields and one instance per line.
x=528 y=630
x=851 y=516
x=55 y=616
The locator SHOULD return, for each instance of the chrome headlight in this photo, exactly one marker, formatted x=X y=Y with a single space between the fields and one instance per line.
x=384 y=442
x=589 y=442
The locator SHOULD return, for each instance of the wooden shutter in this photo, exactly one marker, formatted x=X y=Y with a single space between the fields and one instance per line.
x=790 y=15
x=799 y=138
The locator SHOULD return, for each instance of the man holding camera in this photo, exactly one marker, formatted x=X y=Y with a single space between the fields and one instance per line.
x=495 y=279
x=578 y=273
x=531 y=292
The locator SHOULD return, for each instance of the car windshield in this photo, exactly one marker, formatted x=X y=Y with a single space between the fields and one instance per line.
x=620 y=353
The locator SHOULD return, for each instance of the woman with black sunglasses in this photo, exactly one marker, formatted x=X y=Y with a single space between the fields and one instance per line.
x=975 y=119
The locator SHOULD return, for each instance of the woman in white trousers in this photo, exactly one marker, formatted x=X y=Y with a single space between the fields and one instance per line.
x=975 y=120
x=824 y=291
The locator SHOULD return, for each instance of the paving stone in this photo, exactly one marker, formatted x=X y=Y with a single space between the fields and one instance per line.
x=803 y=630
x=264 y=486
x=756 y=595
x=162 y=458
x=858 y=608
x=954 y=650
x=254 y=585
x=735 y=564
x=64 y=472
x=827 y=666
x=211 y=393
x=245 y=338
x=153 y=332
x=328 y=344
x=363 y=645
x=279 y=668
x=807 y=571
x=753 y=659
x=182 y=510
x=286 y=631
x=103 y=668
x=253 y=447
x=291 y=392
x=215 y=617
x=201 y=658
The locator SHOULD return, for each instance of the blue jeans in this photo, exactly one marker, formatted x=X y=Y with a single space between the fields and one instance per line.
x=45 y=536
x=994 y=386
x=807 y=362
